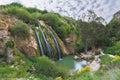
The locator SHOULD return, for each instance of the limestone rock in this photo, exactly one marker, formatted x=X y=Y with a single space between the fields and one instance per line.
x=28 y=46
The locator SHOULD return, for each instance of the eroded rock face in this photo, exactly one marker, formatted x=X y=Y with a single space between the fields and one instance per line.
x=72 y=38
x=3 y=39
x=27 y=46
x=5 y=21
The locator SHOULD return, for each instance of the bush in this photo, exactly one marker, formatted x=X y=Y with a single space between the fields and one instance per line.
x=32 y=10
x=21 y=30
x=46 y=67
x=115 y=50
x=35 y=17
x=79 y=48
x=52 y=19
x=105 y=59
x=16 y=4
x=10 y=44
x=56 y=23
x=21 y=13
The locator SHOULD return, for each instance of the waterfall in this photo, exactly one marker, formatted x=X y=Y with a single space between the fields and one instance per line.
x=49 y=49
x=57 y=45
x=39 y=43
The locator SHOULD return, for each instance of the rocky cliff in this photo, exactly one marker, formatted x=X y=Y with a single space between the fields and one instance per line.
x=27 y=46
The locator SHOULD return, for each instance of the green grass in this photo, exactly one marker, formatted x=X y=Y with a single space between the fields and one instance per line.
x=67 y=61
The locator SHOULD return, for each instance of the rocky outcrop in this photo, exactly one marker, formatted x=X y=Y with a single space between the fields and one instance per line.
x=72 y=38
x=5 y=21
x=27 y=46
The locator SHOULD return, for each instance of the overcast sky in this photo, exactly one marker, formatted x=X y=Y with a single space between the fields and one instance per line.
x=73 y=8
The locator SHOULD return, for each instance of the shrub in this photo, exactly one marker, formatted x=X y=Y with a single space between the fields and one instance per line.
x=115 y=50
x=52 y=19
x=46 y=67
x=16 y=4
x=10 y=44
x=79 y=48
x=58 y=78
x=35 y=16
x=55 y=21
x=105 y=59
x=21 y=13
x=32 y=10
x=21 y=30
x=84 y=76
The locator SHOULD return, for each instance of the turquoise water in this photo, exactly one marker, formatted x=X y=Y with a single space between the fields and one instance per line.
x=71 y=63
x=67 y=61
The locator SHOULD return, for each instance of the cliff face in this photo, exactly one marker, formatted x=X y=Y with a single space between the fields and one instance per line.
x=28 y=46
x=5 y=21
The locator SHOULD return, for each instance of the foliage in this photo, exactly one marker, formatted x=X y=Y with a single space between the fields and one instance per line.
x=52 y=19
x=15 y=4
x=48 y=68
x=10 y=44
x=116 y=57
x=84 y=69
x=89 y=31
x=18 y=69
x=115 y=49
x=79 y=48
x=84 y=76
x=59 y=25
x=32 y=10
x=20 y=30
x=35 y=17
x=58 y=78
x=21 y=13
x=114 y=29
x=67 y=61
x=105 y=59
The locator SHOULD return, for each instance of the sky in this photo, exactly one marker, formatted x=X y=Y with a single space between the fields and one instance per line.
x=73 y=8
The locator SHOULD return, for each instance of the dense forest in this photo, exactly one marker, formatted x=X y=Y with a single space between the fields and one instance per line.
x=34 y=42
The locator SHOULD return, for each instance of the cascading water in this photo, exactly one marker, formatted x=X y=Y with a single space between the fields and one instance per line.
x=39 y=43
x=57 y=45
x=46 y=43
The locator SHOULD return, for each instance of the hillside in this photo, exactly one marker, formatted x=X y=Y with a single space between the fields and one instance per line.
x=41 y=45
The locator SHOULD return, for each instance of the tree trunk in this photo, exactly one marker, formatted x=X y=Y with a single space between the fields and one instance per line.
x=93 y=48
x=86 y=46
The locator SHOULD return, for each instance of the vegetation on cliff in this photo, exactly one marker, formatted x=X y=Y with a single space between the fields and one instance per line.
x=77 y=35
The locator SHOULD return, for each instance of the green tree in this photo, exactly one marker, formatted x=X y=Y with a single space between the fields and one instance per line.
x=114 y=30
x=91 y=31
x=15 y=4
